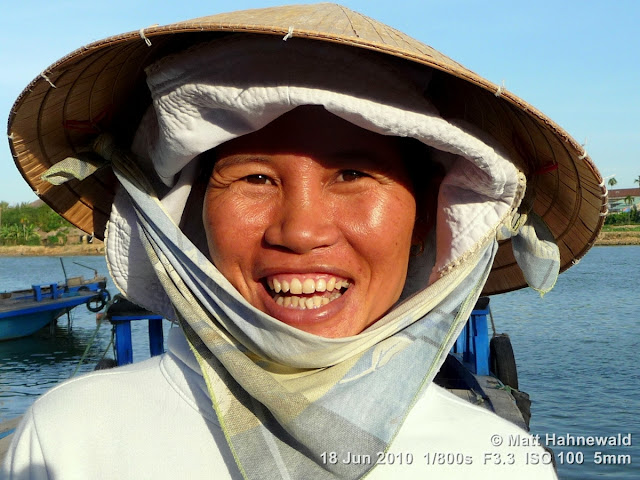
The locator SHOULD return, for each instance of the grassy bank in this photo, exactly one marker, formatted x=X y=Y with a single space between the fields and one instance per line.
x=619 y=235
x=611 y=235
x=80 y=249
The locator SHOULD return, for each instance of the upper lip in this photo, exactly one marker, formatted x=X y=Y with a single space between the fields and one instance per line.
x=266 y=272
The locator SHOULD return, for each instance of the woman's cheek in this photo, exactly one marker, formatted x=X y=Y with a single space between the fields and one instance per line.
x=230 y=208
x=385 y=216
x=233 y=220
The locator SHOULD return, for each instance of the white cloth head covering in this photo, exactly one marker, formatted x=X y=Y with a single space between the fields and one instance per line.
x=219 y=91
x=273 y=387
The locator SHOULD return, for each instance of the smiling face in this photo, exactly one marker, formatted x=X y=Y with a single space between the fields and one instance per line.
x=311 y=219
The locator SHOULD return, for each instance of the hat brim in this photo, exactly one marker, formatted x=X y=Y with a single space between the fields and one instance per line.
x=60 y=112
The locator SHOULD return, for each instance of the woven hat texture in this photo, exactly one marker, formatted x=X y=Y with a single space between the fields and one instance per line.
x=102 y=86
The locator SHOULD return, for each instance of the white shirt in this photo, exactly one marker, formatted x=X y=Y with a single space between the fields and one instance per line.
x=154 y=420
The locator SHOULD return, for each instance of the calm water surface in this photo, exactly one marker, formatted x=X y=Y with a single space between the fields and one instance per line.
x=576 y=348
x=30 y=366
x=577 y=354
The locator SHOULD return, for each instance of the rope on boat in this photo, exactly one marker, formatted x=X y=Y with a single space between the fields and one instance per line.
x=113 y=334
x=99 y=320
x=493 y=325
x=86 y=350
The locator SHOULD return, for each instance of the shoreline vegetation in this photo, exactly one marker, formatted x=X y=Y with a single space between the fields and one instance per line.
x=619 y=235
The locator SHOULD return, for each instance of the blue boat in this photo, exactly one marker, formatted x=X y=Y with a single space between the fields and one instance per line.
x=481 y=369
x=24 y=312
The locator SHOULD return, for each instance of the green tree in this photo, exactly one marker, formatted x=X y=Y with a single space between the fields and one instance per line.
x=48 y=220
x=3 y=207
x=63 y=234
x=10 y=234
x=612 y=182
x=19 y=224
x=4 y=235
x=628 y=200
x=23 y=224
x=29 y=232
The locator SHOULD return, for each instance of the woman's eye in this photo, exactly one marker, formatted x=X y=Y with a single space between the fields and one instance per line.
x=258 y=179
x=350 y=175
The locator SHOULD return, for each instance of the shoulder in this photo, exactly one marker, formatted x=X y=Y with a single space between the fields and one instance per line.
x=73 y=412
x=101 y=389
x=118 y=421
x=449 y=437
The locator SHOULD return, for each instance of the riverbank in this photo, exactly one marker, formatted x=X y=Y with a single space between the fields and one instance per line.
x=619 y=236
x=80 y=249
x=616 y=237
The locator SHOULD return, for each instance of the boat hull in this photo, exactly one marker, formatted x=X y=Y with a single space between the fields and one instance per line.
x=28 y=323
x=22 y=313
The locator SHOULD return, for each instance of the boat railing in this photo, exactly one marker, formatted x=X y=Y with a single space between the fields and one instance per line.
x=55 y=290
x=40 y=293
x=121 y=313
x=472 y=345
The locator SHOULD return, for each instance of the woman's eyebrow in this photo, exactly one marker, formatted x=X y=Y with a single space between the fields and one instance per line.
x=334 y=159
x=240 y=159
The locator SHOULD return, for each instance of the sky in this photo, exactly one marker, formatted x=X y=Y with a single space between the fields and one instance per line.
x=578 y=61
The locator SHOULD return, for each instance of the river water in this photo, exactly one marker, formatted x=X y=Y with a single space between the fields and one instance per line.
x=576 y=349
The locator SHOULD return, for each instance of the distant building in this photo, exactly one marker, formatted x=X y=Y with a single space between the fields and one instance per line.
x=617 y=198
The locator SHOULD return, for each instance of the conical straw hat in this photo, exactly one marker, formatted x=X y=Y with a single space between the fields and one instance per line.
x=60 y=112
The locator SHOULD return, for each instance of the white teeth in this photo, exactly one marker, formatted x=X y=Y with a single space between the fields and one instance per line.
x=309 y=286
x=304 y=303
x=296 y=286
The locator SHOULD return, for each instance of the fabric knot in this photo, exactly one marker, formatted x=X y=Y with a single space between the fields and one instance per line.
x=79 y=167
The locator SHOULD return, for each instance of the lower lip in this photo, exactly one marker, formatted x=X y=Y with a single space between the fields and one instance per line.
x=300 y=318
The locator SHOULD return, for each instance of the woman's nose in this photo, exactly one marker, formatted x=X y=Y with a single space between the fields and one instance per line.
x=303 y=222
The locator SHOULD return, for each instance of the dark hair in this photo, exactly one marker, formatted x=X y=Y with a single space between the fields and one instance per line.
x=426 y=176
